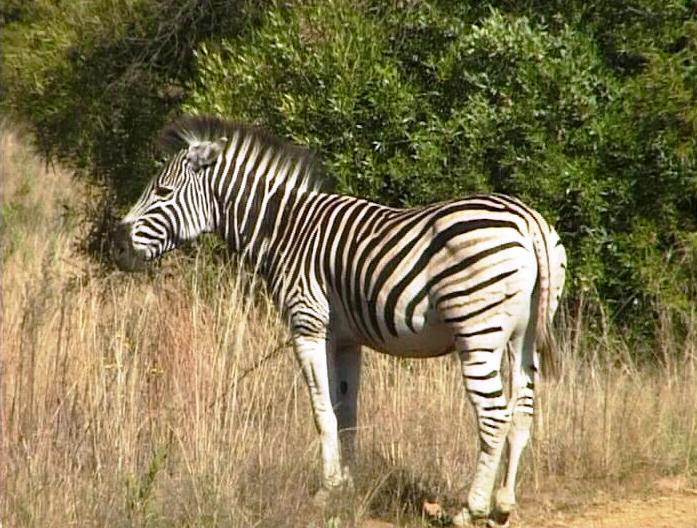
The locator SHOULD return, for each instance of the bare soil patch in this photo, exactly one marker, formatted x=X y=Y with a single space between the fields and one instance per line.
x=675 y=511
x=662 y=505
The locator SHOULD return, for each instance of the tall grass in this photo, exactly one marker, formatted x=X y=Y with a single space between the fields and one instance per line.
x=172 y=399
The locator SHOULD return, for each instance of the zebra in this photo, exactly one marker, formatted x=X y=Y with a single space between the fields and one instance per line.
x=481 y=276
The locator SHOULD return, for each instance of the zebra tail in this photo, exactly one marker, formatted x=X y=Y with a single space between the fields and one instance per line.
x=545 y=341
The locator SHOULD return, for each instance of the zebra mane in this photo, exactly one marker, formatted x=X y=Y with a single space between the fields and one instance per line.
x=193 y=129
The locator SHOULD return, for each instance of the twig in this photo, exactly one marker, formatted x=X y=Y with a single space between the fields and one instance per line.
x=263 y=360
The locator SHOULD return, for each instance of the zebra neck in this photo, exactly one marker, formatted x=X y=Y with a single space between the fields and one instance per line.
x=291 y=225
x=267 y=229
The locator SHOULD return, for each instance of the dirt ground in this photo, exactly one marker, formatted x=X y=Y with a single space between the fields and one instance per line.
x=672 y=509
x=644 y=503
x=675 y=511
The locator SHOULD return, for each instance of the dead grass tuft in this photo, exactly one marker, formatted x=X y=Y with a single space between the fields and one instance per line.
x=137 y=400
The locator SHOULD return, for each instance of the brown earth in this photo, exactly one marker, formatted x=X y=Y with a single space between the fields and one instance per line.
x=677 y=510
x=644 y=503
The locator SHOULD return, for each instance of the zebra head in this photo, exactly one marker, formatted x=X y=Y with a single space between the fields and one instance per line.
x=175 y=206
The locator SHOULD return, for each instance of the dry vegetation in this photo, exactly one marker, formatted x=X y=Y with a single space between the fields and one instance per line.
x=171 y=399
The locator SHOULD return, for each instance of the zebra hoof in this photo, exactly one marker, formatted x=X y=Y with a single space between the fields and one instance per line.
x=504 y=505
x=499 y=520
x=321 y=498
x=463 y=518
x=325 y=496
x=466 y=518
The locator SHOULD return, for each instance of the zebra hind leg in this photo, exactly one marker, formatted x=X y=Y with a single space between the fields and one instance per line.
x=481 y=364
x=522 y=394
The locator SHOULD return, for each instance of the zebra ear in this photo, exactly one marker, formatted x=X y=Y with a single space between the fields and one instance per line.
x=203 y=154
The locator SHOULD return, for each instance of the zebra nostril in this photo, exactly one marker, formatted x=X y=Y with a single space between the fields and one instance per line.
x=120 y=248
x=121 y=243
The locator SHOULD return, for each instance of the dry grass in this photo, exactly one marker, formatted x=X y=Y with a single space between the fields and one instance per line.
x=171 y=399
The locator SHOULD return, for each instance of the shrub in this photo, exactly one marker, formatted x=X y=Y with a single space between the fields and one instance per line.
x=96 y=80
x=585 y=110
x=413 y=105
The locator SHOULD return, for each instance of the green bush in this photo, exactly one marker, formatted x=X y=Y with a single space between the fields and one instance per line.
x=97 y=79
x=411 y=106
x=587 y=110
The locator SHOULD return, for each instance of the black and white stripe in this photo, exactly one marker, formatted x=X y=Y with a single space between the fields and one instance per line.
x=479 y=275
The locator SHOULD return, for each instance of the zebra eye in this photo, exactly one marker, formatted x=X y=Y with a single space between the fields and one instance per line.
x=162 y=192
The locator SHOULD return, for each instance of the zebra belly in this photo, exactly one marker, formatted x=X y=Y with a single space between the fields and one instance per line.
x=433 y=339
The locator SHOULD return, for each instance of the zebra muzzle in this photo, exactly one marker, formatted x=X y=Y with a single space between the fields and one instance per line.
x=124 y=254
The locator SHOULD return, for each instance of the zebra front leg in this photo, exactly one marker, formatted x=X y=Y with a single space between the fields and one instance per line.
x=345 y=375
x=312 y=356
x=482 y=377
